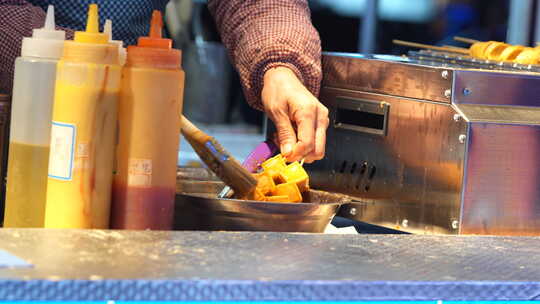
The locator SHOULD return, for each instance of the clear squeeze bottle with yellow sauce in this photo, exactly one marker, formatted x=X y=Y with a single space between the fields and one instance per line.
x=83 y=134
x=149 y=126
x=33 y=94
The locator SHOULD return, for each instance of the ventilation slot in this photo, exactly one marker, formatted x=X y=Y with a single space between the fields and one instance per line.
x=371 y=175
x=353 y=168
x=355 y=175
x=363 y=169
x=361 y=175
x=343 y=167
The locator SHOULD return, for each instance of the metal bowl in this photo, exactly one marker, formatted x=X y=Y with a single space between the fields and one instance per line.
x=197 y=208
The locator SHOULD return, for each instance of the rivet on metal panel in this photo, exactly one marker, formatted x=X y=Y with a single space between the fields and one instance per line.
x=457 y=117
x=405 y=223
x=462 y=138
x=455 y=224
x=467 y=91
x=444 y=74
x=448 y=93
x=352 y=211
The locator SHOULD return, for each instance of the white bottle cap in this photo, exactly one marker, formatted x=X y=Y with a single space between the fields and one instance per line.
x=122 y=53
x=45 y=42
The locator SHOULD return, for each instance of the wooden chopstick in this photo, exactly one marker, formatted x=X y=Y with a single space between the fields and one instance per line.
x=466 y=40
x=431 y=47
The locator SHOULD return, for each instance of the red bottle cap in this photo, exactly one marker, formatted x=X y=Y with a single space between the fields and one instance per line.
x=154 y=51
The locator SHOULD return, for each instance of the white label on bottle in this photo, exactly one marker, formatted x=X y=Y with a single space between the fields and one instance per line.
x=83 y=150
x=82 y=155
x=140 y=172
x=62 y=150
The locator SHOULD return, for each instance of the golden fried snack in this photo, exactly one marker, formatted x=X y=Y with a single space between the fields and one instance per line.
x=494 y=50
x=528 y=56
x=255 y=195
x=265 y=183
x=295 y=173
x=290 y=190
x=277 y=198
x=279 y=182
x=478 y=49
x=511 y=53
x=274 y=166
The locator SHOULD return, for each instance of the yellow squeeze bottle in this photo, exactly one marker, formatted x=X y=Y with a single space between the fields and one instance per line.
x=83 y=133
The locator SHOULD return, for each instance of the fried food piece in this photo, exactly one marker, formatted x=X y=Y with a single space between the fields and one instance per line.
x=528 y=56
x=494 y=50
x=274 y=166
x=265 y=183
x=255 y=195
x=290 y=190
x=511 y=52
x=295 y=173
x=478 y=49
x=277 y=198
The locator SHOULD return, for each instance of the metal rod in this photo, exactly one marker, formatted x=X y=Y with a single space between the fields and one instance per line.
x=537 y=24
x=368 y=29
x=519 y=22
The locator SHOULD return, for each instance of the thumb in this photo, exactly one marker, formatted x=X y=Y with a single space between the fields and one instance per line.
x=286 y=135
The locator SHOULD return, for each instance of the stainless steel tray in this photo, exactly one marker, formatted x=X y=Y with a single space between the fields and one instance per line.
x=197 y=208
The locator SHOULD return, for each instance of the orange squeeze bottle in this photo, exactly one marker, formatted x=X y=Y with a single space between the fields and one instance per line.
x=144 y=185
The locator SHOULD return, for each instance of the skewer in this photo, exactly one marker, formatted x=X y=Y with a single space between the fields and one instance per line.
x=457 y=48
x=432 y=47
x=466 y=40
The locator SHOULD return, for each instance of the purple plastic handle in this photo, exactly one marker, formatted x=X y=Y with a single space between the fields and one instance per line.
x=261 y=153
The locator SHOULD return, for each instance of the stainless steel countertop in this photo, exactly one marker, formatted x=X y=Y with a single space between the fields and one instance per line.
x=84 y=265
x=90 y=254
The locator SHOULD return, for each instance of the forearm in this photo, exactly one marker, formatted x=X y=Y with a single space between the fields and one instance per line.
x=17 y=20
x=264 y=34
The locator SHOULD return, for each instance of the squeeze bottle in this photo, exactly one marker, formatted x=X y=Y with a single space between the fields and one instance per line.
x=33 y=94
x=149 y=133
x=107 y=29
x=83 y=133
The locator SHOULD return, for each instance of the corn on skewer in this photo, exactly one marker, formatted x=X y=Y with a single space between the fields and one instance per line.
x=490 y=50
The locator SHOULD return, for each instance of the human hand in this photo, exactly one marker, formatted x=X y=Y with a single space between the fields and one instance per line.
x=301 y=120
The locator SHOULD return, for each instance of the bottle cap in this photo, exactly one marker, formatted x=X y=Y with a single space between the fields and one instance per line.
x=45 y=42
x=122 y=53
x=154 y=51
x=92 y=34
x=154 y=39
x=91 y=45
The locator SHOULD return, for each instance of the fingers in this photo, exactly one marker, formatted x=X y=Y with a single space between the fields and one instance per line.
x=300 y=119
x=320 y=135
x=285 y=132
x=305 y=119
